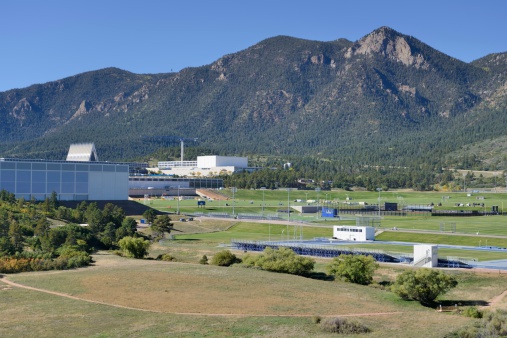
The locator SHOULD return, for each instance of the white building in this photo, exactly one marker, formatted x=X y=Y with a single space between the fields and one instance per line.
x=425 y=255
x=354 y=233
x=205 y=166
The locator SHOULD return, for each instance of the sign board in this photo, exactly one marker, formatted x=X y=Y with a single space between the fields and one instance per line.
x=201 y=203
x=329 y=212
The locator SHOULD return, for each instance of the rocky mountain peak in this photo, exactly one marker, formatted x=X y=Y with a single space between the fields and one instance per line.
x=389 y=43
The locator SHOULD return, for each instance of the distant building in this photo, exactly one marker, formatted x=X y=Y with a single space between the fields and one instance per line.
x=205 y=166
x=83 y=152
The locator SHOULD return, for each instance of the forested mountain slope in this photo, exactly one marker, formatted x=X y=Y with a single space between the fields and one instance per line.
x=386 y=99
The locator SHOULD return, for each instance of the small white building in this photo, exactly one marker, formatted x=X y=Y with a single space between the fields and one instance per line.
x=354 y=233
x=425 y=255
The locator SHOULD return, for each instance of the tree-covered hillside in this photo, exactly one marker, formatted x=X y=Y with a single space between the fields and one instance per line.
x=386 y=99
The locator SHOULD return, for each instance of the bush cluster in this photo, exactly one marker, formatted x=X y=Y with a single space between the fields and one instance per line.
x=343 y=326
x=493 y=324
x=358 y=269
x=282 y=260
x=472 y=312
x=69 y=260
x=423 y=285
x=224 y=258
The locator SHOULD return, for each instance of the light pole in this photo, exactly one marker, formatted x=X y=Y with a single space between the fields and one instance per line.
x=263 y=201
x=306 y=197
x=318 y=200
x=327 y=205
x=288 y=204
x=379 y=190
x=233 y=200
x=178 y=208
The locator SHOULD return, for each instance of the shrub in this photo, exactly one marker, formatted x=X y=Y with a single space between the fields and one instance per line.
x=282 y=260
x=14 y=265
x=136 y=247
x=166 y=257
x=316 y=319
x=472 y=312
x=342 y=325
x=224 y=258
x=358 y=269
x=423 y=285
x=203 y=260
x=493 y=324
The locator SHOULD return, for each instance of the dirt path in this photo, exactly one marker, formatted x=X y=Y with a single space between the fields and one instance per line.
x=60 y=294
x=495 y=300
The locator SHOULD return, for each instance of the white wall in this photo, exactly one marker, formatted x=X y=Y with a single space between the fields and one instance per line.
x=354 y=233
x=221 y=161
x=422 y=251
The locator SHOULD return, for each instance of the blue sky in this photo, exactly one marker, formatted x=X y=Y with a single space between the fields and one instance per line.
x=43 y=41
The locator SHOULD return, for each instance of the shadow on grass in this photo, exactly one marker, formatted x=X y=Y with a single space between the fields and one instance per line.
x=450 y=305
x=320 y=276
x=463 y=303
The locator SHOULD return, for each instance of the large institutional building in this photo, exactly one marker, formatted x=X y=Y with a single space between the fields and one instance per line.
x=205 y=166
x=80 y=178
x=83 y=177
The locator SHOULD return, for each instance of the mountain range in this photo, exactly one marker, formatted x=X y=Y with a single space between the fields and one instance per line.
x=386 y=99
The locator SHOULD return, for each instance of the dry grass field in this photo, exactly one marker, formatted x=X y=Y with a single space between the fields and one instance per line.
x=120 y=297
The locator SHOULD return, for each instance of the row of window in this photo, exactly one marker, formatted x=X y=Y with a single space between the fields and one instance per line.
x=349 y=229
x=61 y=197
x=62 y=166
x=20 y=187
x=42 y=176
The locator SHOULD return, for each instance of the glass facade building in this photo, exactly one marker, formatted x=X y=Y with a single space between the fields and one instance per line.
x=69 y=180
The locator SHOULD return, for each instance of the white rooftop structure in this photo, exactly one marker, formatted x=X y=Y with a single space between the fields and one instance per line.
x=82 y=152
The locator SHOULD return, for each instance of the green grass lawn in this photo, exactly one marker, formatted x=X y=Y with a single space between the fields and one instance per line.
x=270 y=202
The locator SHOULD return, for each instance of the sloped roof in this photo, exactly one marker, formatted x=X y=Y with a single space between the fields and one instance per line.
x=84 y=152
